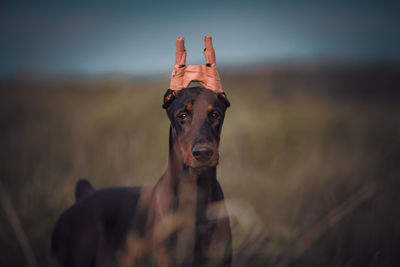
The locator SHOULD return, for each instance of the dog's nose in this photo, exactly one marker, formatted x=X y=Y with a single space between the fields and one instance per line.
x=202 y=152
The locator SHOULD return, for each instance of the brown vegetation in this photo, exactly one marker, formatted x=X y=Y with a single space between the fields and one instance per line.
x=309 y=158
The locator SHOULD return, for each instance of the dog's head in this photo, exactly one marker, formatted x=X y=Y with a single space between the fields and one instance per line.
x=196 y=116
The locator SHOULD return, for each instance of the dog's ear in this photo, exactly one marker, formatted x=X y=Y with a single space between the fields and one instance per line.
x=224 y=99
x=169 y=96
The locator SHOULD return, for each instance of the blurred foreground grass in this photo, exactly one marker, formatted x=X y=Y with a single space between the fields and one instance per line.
x=298 y=143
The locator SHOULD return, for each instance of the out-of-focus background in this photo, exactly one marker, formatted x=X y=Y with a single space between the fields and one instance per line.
x=310 y=150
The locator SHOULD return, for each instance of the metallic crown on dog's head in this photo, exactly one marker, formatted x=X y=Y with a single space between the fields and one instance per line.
x=206 y=75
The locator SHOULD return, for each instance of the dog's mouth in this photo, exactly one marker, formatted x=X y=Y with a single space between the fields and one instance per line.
x=203 y=164
x=202 y=168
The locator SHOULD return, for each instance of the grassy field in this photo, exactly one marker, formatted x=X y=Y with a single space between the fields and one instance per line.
x=309 y=157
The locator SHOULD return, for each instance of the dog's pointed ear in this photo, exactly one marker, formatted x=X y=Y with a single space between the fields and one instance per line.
x=222 y=96
x=169 y=97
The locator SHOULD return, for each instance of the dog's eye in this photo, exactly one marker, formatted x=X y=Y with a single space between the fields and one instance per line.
x=183 y=116
x=214 y=115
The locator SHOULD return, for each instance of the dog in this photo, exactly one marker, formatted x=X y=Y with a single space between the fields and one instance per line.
x=182 y=220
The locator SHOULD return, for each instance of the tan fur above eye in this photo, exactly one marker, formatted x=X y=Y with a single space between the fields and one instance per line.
x=210 y=108
x=189 y=107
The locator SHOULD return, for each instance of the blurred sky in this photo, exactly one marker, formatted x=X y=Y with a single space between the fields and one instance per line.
x=94 y=37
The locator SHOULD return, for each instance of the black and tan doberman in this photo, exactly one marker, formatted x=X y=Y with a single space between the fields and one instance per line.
x=182 y=220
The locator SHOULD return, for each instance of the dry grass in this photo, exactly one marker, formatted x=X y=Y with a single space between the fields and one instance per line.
x=297 y=143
